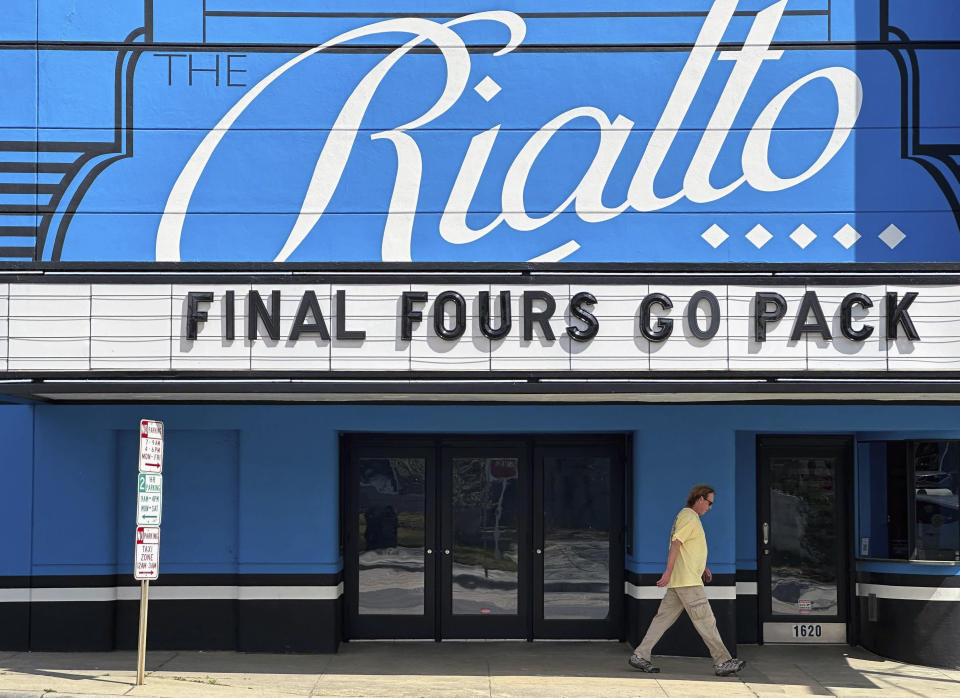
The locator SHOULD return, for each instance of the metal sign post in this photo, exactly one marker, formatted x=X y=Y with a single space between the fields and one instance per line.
x=142 y=634
x=146 y=558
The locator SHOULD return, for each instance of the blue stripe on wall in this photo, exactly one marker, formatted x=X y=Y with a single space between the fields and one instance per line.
x=255 y=489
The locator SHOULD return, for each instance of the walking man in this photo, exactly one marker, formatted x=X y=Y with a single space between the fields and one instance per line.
x=686 y=572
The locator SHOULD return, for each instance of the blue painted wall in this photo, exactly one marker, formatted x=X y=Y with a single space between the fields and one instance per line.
x=255 y=488
x=97 y=110
x=16 y=480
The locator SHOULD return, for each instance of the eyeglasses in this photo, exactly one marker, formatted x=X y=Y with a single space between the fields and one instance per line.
x=708 y=501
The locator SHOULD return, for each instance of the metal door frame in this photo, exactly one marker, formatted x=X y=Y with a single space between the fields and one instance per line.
x=371 y=626
x=612 y=626
x=438 y=623
x=833 y=444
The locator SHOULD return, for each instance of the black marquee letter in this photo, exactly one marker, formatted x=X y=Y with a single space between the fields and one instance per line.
x=692 y=319
x=194 y=314
x=309 y=304
x=897 y=315
x=763 y=315
x=810 y=303
x=541 y=317
x=846 y=317
x=408 y=315
x=664 y=326
x=506 y=322
x=256 y=309
x=460 y=322
x=229 y=316
x=585 y=316
x=342 y=331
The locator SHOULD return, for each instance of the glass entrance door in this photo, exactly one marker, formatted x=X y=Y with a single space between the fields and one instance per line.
x=578 y=540
x=463 y=537
x=485 y=560
x=389 y=527
x=803 y=548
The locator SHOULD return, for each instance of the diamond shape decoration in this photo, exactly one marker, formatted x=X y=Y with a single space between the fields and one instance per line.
x=846 y=236
x=487 y=88
x=892 y=236
x=803 y=236
x=759 y=236
x=715 y=235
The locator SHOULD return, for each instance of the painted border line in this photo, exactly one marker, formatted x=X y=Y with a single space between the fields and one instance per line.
x=174 y=593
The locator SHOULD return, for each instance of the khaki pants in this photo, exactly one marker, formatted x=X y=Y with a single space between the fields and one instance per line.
x=694 y=601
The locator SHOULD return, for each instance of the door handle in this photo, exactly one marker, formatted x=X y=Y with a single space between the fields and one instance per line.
x=539 y=551
x=446 y=551
x=766 y=533
x=429 y=551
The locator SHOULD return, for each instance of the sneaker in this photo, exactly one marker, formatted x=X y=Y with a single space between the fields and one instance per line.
x=731 y=666
x=645 y=665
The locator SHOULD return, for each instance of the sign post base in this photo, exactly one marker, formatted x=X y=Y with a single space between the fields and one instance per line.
x=142 y=639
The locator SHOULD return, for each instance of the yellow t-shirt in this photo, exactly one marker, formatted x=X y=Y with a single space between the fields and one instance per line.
x=690 y=563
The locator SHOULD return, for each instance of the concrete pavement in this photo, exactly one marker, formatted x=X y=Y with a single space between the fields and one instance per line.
x=503 y=669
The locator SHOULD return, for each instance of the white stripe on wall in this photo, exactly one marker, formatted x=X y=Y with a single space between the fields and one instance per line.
x=725 y=593
x=175 y=593
x=887 y=591
x=746 y=588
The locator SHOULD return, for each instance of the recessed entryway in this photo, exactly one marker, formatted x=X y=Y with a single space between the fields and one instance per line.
x=483 y=536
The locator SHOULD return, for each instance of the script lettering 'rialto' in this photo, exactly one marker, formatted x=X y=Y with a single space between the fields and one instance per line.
x=586 y=197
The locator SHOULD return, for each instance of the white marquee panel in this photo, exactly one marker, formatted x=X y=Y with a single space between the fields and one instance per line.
x=49 y=327
x=130 y=326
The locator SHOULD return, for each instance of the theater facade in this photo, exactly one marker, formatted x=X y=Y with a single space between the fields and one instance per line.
x=445 y=307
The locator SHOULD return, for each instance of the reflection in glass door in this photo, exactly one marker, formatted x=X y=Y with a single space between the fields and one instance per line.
x=578 y=540
x=803 y=582
x=390 y=565
x=461 y=537
x=484 y=533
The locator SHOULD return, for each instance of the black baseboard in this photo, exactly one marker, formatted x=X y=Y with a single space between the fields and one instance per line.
x=14 y=626
x=288 y=626
x=748 y=611
x=917 y=632
x=72 y=626
x=201 y=624
x=244 y=624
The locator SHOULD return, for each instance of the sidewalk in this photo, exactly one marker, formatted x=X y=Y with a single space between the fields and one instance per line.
x=469 y=669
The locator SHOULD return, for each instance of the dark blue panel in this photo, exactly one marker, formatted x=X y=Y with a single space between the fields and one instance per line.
x=199 y=529
x=16 y=478
x=75 y=495
x=746 y=477
x=290 y=498
x=927 y=20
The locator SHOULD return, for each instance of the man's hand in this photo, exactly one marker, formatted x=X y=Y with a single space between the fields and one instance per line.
x=664 y=580
x=707 y=575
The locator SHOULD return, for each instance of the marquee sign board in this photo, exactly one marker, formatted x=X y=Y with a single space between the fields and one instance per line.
x=665 y=131
x=584 y=327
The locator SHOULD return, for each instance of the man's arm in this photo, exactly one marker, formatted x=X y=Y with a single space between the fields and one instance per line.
x=671 y=559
